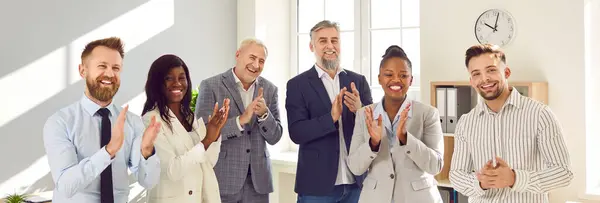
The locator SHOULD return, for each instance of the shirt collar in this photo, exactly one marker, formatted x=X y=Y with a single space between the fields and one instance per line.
x=380 y=111
x=321 y=72
x=514 y=99
x=91 y=108
x=239 y=82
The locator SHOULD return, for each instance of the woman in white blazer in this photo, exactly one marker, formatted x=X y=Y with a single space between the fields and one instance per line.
x=397 y=142
x=187 y=149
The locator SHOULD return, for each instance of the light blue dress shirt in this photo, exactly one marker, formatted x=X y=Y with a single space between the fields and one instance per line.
x=391 y=126
x=72 y=142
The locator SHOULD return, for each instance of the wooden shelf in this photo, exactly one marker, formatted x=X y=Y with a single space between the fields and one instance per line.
x=444 y=183
x=534 y=90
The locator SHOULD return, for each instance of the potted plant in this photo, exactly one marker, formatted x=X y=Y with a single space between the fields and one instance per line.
x=194 y=97
x=16 y=198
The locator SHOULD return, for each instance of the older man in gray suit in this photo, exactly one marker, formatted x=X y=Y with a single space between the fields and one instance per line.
x=244 y=169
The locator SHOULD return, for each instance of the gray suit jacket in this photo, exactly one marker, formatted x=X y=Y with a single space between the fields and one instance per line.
x=406 y=171
x=241 y=150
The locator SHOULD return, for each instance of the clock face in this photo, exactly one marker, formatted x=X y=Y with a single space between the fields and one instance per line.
x=495 y=27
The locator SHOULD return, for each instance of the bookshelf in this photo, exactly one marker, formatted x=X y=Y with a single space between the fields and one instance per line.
x=535 y=90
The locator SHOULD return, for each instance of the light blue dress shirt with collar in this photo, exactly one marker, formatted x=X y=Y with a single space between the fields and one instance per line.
x=391 y=126
x=72 y=142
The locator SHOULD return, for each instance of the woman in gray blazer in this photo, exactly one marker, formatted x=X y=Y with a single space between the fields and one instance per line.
x=397 y=142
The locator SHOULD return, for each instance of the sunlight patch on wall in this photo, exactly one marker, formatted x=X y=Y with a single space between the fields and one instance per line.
x=136 y=105
x=32 y=84
x=134 y=28
x=23 y=180
x=46 y=76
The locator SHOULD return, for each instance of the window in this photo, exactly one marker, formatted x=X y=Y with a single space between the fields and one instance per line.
x=313 y=11
x=373 y=24
x=386 y=26
x=367 y=28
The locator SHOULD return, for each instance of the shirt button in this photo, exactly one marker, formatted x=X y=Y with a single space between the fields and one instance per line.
x=247 y=150
x=190 y=192
x=392 y=176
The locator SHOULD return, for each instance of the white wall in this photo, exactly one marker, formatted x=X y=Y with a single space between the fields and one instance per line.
x=549 y=46
x=41 y=43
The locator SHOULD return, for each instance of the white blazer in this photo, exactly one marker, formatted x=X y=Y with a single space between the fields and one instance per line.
x=187 y=173
x=405 y=172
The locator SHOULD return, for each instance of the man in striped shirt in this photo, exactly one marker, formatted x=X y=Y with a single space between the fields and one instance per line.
x=509 y=148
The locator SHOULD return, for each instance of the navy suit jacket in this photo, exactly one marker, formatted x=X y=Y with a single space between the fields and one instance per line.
x=311 y=127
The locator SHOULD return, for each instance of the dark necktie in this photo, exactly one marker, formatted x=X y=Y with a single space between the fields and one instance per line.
x=106 y=184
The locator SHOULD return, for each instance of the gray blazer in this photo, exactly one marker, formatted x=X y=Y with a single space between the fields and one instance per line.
x=241 y=150
x=404 y=172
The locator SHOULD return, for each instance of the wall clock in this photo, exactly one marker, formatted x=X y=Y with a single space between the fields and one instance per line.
x=495 y=26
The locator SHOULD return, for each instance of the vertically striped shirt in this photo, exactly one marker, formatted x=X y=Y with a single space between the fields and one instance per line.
x=524 y=133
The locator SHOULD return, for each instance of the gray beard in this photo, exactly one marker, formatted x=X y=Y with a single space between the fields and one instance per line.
x=330 y=64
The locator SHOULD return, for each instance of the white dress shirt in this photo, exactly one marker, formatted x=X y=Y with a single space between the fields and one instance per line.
x=246 y=96
x=332 y=85
x=526 y=134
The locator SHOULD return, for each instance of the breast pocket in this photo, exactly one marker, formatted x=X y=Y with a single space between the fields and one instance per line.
x=421 y=184
x=424 y=190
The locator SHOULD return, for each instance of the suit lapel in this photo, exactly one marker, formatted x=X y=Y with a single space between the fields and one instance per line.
x=344 y=82
x=346 y=118
x=179 y=131
x=317 y=85
x=229 y=83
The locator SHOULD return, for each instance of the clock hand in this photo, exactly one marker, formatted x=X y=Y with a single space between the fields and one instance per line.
x=490 y=27
x=496 y=24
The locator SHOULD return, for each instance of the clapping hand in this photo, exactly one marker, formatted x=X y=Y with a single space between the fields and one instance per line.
x=149 y=137
x=336 y=106
x=352 y=98
x=217 y=120
x=374 y=127
x=401 y=132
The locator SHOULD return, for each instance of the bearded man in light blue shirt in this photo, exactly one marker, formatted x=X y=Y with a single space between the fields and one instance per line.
x=91 y=143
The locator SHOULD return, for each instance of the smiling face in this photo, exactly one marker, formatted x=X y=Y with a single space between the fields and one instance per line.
x=176 y=85
x=325 y=44
x=250 y=60
x=395 y=77
x=488 y=75
x=101 y=71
